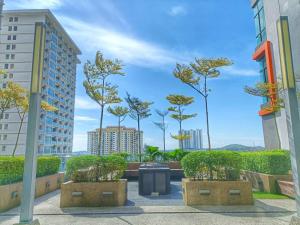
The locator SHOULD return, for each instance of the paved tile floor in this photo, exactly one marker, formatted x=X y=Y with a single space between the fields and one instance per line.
x=160 y=210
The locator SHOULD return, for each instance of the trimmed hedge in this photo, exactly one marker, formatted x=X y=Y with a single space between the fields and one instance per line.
x=212 y=165
x=11 y=168
x=95 y=168
x=275 y=162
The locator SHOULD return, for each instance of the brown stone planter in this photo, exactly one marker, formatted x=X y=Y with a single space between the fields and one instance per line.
x=264 y=182
x=93 y=194
x=216 y=192
x=286 y=188
x=11 y=193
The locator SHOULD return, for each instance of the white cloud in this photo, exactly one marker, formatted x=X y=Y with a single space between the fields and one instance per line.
x=84 y=118
x=177 y=10
x=34 y=4
x=91 y=37
x=241 y=72
x=85 y=103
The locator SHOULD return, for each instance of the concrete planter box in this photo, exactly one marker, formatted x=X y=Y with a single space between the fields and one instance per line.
x=11 y=193
x=265 y=182
x=93 y=194
x=216 y=192
x=286 y=188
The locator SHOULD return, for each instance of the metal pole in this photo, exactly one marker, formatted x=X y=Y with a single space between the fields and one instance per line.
x=29 y=177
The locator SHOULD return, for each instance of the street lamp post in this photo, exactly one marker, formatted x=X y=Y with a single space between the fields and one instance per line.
x=291 y=105
x=29 y=177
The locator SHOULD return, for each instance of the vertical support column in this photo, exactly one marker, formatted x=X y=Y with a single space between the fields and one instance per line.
x=29 y=177
x=291 y=105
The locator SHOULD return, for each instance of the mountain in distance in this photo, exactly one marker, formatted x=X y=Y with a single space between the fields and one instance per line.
x=238 y=147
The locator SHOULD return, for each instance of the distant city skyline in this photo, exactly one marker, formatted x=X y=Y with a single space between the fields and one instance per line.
x=195 y=140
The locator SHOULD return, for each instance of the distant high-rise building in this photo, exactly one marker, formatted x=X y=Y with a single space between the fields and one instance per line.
x=129 y=140
x=195 y=142
x=19 y=41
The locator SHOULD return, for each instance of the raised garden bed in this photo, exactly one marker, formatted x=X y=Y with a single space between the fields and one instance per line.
x=93 y=194
x=11 y=193
x=264 y=182
x=216 y=192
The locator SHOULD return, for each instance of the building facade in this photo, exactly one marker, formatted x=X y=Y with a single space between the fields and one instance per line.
x=195 y=142
x=110 y=140
x=17 y=38
x=278 y=54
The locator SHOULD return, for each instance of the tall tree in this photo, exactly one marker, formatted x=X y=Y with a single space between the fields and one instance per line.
x=138 y=110
x=196 y=75
x=179 y=102
x=6 y=95
x=97 y=87
x=162 y=125
x=121 y=113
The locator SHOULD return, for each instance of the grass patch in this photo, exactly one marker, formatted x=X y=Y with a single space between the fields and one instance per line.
x=266 y=195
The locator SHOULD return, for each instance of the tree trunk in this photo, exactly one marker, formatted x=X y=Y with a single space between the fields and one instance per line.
x=139 y=140
x=180 y=133
x=164 y=134
x=119 y=136
x=18 y=135
x=207 y=124
x=100 y=133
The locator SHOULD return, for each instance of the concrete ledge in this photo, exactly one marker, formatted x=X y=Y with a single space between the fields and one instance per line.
x=216 y=192
x=265 y=182
x=11 y=193
x=286 y=188
x=93 y=194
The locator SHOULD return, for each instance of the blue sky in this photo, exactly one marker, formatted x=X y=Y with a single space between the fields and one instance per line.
x=150 y=36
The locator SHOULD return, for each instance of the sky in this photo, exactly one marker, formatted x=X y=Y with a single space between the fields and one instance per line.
x=150 y=37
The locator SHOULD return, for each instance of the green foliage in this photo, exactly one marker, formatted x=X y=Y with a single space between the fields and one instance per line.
x=95 y=168
x=11 y=168
x=177 y=154
x=47 y=165
x=212 y=165
x=269 y=162
x=267 y=195
x=80 y=162
x=138 y=108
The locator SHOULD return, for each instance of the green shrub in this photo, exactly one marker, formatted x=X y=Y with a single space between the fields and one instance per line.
x=177 y=154
x=212 y=165
x=80 y=162
x=95 y=168
x=275 y=162
x=47 y=165
x=11 y=168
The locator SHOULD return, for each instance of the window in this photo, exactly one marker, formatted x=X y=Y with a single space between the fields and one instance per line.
x=15 y=28
x=6 y=66
x=9 y=37
x=5 y=137
x=11 y=75
x=4 y=85
x=14 y=37
x=7 y=56
x=12 y=56
x=6 y=116
x=5 y=76
x=5 y=126
x=260 y=24
x=9 y=28
x=12 y=66
x=16 y=19
x=11 y=19
x=3 y=148
x=13 y=47
x=7 y=47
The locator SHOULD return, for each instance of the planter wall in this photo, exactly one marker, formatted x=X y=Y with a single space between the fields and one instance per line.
x=11 y=193
x=286 y=188
x=93 y=194
x=265 y=182
x=216 y=192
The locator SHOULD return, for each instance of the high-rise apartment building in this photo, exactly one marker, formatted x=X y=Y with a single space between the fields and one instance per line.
x=195 y=142
x=59 y=60
x=278 y=54
x=110 y=140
